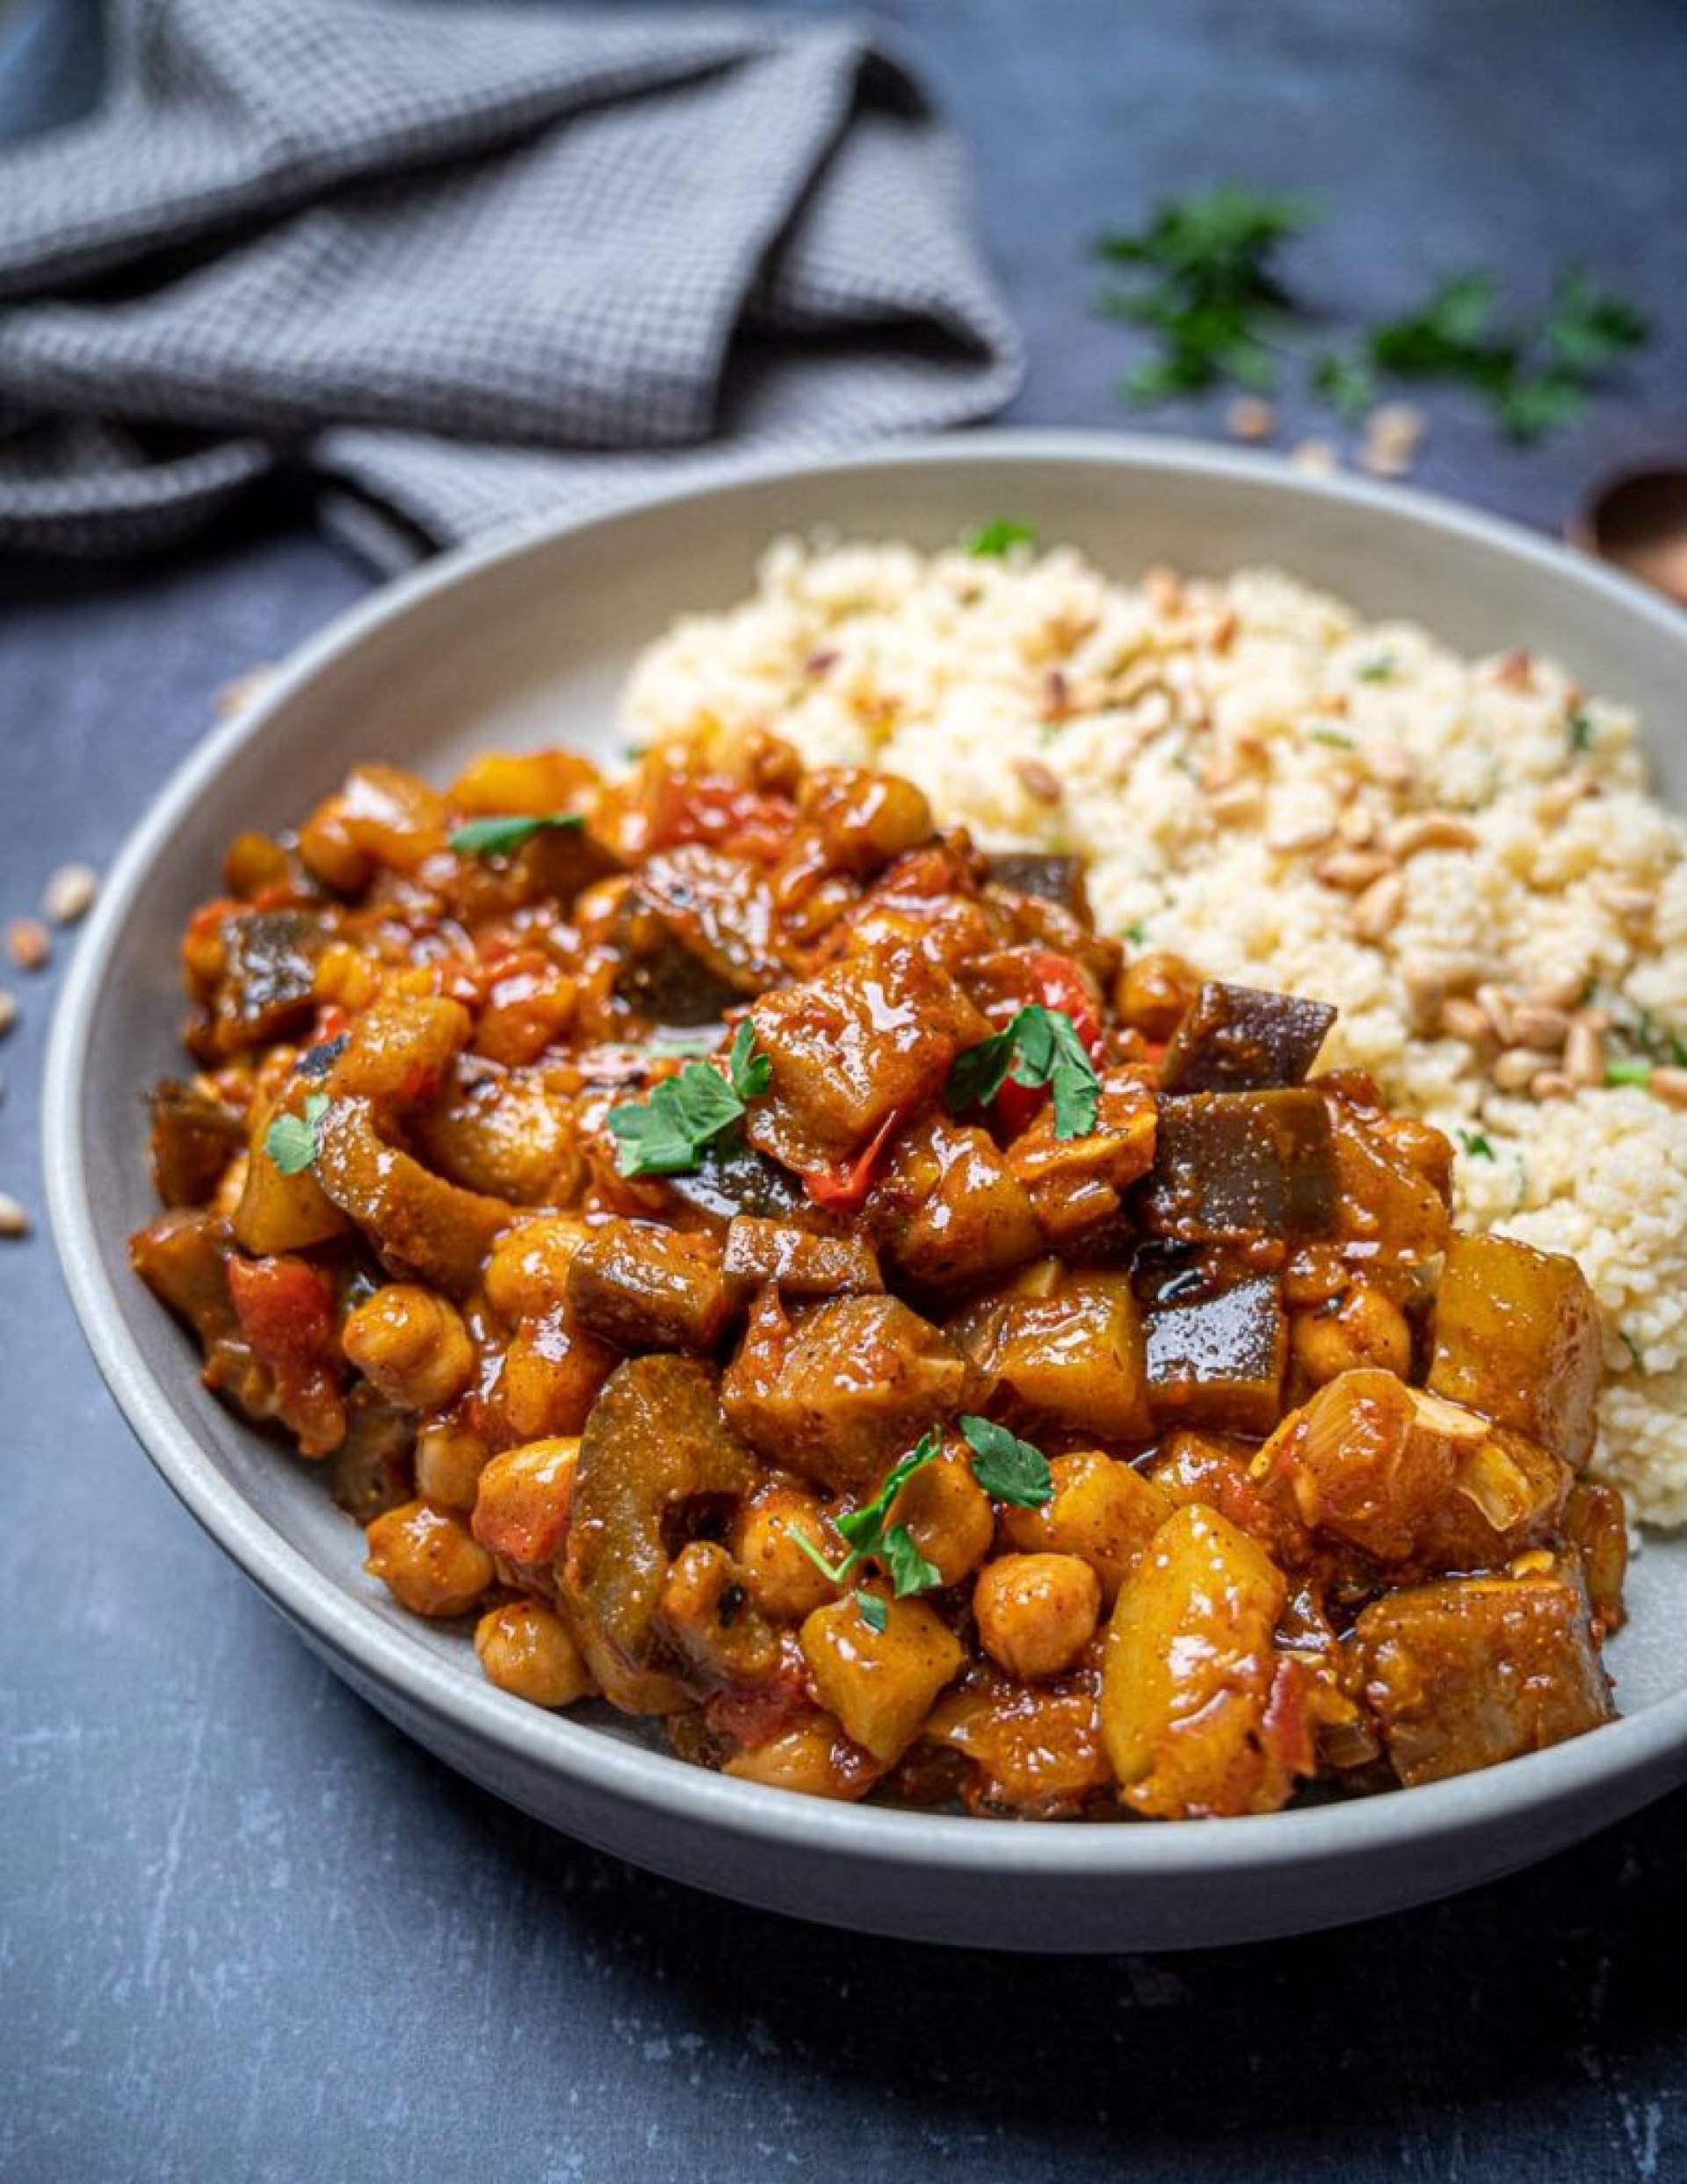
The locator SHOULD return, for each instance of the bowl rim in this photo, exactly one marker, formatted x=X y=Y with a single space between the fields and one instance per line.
x=349 y=1630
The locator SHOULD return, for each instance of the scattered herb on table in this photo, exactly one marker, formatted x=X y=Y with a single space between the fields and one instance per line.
x=504 y=835
x=1040 y=1047
x=669 y=1133
x=290 y=1140
x=1203 y=277
x=994 y=541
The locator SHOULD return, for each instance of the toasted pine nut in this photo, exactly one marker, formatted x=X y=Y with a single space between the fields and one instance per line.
x=1351 y=869
x=1671 y=1085
x=27 y=943
x=1357 y=825
x=1551 y=1084
x=1429 y=830
x=7 y=1012
x=1390 y=764
x=1038 y=780
x=1163 y=588
x=69 y=894
x=1296 y=835
x=1584 y=1054
x=13 y=1220
x=1377 y=911
x=1250 y=418
x=1496 y=1004
x=1631 y=905
x=1519 y=1065
x=1240 y=802
x=1462 y=1019
x=1562 y=991
x=1538 y=1026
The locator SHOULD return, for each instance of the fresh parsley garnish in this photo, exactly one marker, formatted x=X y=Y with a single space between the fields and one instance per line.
x=866 y=1529
x=1476 y=1144
x=1136 y=933
x=1040 y=1047
x=1007 y=1468
x=993 y=541
x=502 y=836
x=1628 y=1069
x=1633 y=1349
x=874 y=1612
x=1202 y=278
x=1379 y=670
x=291 y=1140
x=1334 y=737
x=669 y=1133
x=1580 y=732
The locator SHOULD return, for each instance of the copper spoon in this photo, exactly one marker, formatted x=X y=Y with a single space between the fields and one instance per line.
x=1640 y=523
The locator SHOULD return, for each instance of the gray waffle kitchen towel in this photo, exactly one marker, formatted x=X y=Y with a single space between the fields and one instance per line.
x=466 y=265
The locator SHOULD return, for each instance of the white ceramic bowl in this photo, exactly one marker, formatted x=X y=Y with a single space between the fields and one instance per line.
x=527 y=642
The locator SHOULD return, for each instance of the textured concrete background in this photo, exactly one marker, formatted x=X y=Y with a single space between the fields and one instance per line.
x=245 y=1929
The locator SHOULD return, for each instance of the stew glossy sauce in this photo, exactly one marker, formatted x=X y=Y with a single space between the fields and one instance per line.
x=782 y=1272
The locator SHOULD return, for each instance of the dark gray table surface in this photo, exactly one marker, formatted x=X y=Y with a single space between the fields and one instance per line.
x=246 y=1929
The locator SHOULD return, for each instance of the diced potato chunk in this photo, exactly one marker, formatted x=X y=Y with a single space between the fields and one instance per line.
x=1216 y=1472
x=1517 y=1337
x=1474 y=1670
x=1219 y=1361
x=837 y=1390
x=1101 y=1510
x=524 y=1499
x=880 y=1684
x=1074 y=1355
x=642 y=1287
x=1196 y=1706
x=858 y=1042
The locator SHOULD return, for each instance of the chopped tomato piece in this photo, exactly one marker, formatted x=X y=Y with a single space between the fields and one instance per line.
x=286 y=1311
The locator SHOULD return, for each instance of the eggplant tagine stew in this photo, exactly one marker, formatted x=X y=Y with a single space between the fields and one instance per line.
x=781 y=1272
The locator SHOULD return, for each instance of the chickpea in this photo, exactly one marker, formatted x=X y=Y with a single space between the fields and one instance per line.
x=948 y=1514
x=778 y=1577
x=1037 y=1612
x=1102 y=1511
x=427 y=1559
x=525 y=1648
x=525 y=1500
x=1154 y=990
x=527 y=1274
x=327 y=852
x=412 y=1344
x=552 y=1373
x=1365 y=1328
x=449 y=1460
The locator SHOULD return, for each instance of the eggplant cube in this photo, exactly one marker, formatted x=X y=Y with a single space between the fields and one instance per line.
x=1232 y=1165
x=1220 y=1361
x=1237 y=1039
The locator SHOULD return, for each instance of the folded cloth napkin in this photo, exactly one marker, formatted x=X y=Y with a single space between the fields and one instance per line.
x=466 y=265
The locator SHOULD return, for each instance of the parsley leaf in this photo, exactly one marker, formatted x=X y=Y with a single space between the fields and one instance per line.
x=1380 y=669
x=1040 y=1047
x=291 y=1140
x=1007 y=1468
x=1628 y=1069
x=1346 y=383
x=1588 y=329
x=873 y=1612
x=909 y=1571
x=749 y=1072
x=1580 y=732
x=1204 y=280
x=1334 y=737
x=667 y=1133
x=502 y=836
x=992 y=541
x=864 y=1528
x=1476 y=1144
